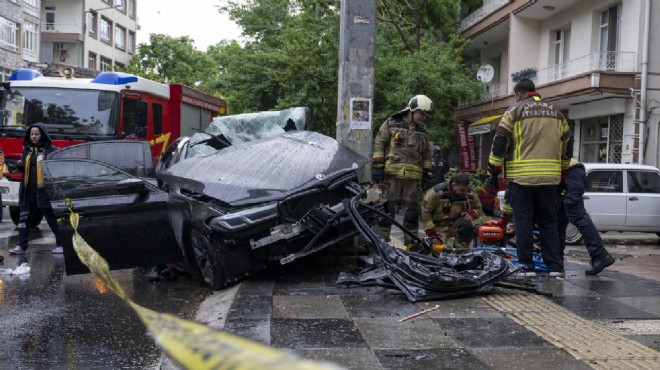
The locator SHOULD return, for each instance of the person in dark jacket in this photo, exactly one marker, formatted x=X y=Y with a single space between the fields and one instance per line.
x=37 y=146
x=572 y=210
x=439 y=168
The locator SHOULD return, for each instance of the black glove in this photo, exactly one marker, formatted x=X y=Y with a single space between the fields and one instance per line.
x=494 y=182
x=378 y=173
x=427 y=180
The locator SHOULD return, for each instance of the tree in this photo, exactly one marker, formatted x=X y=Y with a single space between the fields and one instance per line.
x=174 y=60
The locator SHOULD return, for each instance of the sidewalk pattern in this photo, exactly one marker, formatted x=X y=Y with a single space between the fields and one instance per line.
x=302 y=310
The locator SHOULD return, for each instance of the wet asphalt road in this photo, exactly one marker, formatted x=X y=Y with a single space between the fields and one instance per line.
x=52 y=321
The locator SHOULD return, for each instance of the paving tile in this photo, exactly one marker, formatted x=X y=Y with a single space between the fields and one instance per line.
x=490 y=333
x=564 y=287
x=249 y=328
x=529 y=358
x=256 y=287
x=320 y=288
x=308 y=307
x=250 y=306
x=379 y=305
x=348 y=358
x=601 y=308
x=315 y=333
x=652 y=341
x=646 y=304
x=389 y=333
x=625 y=286
x=430 y=358
x=464 y=307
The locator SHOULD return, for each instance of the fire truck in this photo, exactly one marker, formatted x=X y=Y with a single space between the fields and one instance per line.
x=110 y=106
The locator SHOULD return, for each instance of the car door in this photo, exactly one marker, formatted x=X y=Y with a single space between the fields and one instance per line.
x=123 y=217
x=604 y=198
x=643 y=200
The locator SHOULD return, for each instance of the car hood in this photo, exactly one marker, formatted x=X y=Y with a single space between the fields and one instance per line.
x=265 y=170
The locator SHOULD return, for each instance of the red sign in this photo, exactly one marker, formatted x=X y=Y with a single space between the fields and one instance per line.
x=467 y=147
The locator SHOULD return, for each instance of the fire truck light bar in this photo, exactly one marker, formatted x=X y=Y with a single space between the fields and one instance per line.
x=24 y=74
x=114 y=78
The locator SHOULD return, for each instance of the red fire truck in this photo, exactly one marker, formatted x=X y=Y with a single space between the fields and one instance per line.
x=113 y=105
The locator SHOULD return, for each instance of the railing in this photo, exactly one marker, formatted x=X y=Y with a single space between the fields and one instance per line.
x=615 y=61
x=489 y=7
x=498 y=89
x=61 y=27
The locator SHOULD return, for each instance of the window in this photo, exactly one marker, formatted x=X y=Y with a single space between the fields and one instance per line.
x=120 y=67
x=50 y=18
x=30 y=32
x=106 y=64
x=8 y=34
x=643 y=182
x=605 y=182
x=562 y=53
x=120 y=37
x=93 y=26
x=130 y=43
x=31 y=2
x=120 y=5
x=157 y=110
x=91 y=61
x=14 y=1
x=609 y=37
x=106 y=30
x=5 y=73
x=131 y=8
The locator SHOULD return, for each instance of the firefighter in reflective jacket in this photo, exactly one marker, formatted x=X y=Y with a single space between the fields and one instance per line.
x=401 y=160
x=445 y=209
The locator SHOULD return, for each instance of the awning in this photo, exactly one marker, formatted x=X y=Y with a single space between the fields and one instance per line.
x=482 y=125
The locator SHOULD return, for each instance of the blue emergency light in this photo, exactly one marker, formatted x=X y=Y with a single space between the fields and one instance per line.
x=24 y=74
x=114 y=78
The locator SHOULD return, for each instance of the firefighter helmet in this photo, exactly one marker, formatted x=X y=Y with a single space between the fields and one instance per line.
x=421 y=102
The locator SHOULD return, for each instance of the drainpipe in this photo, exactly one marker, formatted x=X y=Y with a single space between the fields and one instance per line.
x=645 y=73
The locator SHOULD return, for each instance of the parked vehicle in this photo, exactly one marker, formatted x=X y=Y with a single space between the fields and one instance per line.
x=113 y=105
x=620 y=197
x=225 y=211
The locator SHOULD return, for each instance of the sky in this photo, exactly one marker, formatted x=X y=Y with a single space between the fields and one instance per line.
x=201 y=21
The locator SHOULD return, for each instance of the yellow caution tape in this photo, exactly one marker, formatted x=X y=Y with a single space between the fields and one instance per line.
x=193 y=345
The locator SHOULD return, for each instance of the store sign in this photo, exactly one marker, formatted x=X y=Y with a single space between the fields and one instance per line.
x=467 y=147
x=479 y=129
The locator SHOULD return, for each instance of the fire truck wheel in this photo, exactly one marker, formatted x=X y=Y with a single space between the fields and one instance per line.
x=15 y=214
x=210 y=269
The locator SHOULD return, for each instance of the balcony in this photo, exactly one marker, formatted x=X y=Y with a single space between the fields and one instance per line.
x=498 y=89
x=609 y=61
x=61 y=27
x=476 y=16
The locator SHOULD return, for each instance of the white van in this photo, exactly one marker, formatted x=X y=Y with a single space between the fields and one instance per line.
x=620 y=197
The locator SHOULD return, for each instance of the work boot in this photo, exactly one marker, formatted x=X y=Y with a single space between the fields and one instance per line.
x=599 y=263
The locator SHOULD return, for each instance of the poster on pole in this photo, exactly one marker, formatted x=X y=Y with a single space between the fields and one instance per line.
x=360 y=114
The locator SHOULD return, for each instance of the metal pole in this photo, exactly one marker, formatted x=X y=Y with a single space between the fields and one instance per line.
x=357 y=55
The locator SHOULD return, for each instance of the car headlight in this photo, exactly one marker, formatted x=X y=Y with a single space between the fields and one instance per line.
x=243 y=219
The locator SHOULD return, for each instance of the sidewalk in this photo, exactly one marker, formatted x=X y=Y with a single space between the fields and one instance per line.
x=602 y=321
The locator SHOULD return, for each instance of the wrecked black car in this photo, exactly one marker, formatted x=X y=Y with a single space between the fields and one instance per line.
x=225 y=203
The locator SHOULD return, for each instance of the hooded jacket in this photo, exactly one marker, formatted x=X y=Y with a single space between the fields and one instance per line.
x=31 y=187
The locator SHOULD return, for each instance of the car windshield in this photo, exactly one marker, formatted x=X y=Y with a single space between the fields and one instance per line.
x=241 y=128
x=63 y=111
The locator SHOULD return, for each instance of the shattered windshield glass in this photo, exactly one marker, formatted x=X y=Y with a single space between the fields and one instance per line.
x=86 y=112
x=240 y=128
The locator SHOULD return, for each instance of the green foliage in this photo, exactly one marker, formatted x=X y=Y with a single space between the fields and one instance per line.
x=170 y=59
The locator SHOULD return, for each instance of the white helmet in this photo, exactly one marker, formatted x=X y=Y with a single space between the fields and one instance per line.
x=421 y=102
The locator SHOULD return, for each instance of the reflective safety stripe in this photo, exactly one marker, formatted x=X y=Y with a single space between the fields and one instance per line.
x=403 y=170
x=517 y=135
x=429 y=225
x=495 y=161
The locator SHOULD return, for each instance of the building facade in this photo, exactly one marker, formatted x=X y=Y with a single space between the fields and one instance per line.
x=93 y=34
x=598 y=61
x=19 y=35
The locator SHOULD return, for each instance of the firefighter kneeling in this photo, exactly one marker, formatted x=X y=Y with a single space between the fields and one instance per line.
x=448 y=212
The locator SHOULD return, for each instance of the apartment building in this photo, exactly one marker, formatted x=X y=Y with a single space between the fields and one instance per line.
x=596 y=60
x=94 y=34
x=19 y=35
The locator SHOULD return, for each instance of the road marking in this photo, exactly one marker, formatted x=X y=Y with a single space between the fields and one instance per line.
x=585 y=340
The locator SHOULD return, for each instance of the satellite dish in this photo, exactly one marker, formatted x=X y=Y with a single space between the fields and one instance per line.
x=485 y=73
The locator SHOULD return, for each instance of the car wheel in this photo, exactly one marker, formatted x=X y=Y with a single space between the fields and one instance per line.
x=15 y=215
x=573 y=235
x=210 y=269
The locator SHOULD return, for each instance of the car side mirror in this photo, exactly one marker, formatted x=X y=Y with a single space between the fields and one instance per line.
x=131 y=186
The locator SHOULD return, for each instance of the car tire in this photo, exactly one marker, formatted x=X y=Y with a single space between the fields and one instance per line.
x=209 y=267
x=15 y=215
x=573 y=235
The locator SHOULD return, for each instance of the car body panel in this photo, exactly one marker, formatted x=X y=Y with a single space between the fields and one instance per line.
x=124 y=218
x=266 y=169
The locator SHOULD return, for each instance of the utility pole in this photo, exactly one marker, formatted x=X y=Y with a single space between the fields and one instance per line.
x=357 y=56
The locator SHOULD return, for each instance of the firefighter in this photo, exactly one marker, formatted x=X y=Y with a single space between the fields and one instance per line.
x=532 y=137
x=402 y=160
x=572 y=210
x=439 y=168
x=445 y=209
